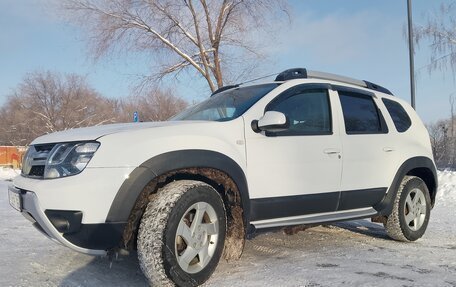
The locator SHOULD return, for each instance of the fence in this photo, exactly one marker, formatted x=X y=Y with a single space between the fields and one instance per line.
x=11 y=156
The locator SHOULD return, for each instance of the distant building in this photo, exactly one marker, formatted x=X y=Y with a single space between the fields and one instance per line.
x=11 y=156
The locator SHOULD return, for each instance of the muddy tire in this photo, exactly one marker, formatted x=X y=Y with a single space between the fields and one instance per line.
x=181 y=234
x=411 y=210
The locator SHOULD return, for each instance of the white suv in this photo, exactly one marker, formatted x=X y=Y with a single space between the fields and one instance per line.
x=309 y=147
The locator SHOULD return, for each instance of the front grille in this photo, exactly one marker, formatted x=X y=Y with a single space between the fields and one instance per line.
x=35 y=160
x=37 y=170
x=44 y=147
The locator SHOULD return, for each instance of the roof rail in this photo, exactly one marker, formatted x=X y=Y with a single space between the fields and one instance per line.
x=300 y=73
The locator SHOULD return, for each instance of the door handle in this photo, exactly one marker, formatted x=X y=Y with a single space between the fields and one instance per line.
x=388 y=149
x=331 y=151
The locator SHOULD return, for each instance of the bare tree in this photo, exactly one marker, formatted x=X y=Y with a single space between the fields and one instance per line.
x=158 y=105
x=452 y=135
x=438 y=133
x=47 y=102
x=440 y=30
x=205 y=36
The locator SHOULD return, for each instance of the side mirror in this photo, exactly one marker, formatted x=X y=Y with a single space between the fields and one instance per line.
x=272 y=121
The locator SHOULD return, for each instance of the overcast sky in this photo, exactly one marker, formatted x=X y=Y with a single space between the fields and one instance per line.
x=358 y=38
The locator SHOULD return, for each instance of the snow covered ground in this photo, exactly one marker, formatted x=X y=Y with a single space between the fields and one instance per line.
x=8 y=173
x=355 y=253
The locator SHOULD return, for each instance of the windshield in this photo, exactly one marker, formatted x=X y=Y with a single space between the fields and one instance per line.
x=226 y=105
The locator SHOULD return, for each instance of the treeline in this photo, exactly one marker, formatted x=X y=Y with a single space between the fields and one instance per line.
x=46 y=102
x=443 y=140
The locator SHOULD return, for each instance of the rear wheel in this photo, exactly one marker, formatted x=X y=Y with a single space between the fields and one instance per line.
x=411 y=210
x=181 y=235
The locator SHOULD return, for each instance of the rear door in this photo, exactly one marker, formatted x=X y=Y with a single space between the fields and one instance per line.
x=368 y=151
x=296 y=171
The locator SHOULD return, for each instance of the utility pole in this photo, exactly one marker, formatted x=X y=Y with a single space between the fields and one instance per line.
x=411 y=53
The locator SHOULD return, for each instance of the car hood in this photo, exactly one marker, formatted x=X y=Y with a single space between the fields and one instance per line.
x=95 y=132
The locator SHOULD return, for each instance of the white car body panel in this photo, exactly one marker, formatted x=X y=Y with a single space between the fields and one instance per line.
x=141 y=145
x=291 y=165
x=92 y=133
x=372 y=160
x=92 y=191
x=111 y=166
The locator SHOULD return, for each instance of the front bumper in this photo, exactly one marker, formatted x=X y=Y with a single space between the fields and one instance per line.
x=93 y=239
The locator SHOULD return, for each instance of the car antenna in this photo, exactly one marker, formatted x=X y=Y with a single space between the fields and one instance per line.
x=224 y=88
x=260 y=78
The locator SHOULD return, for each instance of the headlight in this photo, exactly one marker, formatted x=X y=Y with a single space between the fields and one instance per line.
x=67 y=159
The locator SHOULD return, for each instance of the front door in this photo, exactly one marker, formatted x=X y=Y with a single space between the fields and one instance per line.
x=297 y=171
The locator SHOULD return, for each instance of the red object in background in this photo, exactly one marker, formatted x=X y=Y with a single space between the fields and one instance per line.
x=11 y=156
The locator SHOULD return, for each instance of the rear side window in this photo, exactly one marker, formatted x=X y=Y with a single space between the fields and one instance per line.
x=400 y=117
x=360 y=113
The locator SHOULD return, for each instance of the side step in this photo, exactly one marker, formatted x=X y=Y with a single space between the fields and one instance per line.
x=316 y=218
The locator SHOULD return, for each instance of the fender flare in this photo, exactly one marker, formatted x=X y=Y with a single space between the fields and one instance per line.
x=385 y=206
x=131 y=188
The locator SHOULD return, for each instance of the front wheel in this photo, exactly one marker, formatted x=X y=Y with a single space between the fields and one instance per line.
x=181 y=235
x=411 y=210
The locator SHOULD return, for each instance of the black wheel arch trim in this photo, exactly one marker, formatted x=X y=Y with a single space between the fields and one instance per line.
x=385 y=206
x=128 y=193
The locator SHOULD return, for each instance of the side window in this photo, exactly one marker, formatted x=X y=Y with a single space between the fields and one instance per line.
x=361 y=115
x=401 y=119
x=308 y=112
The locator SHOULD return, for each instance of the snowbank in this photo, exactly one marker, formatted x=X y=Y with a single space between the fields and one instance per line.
x=447 y=187
x=7 y=173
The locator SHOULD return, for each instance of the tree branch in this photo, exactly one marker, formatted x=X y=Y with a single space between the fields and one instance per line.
x=176 y=22
x=200 y=44
x=139 y=23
